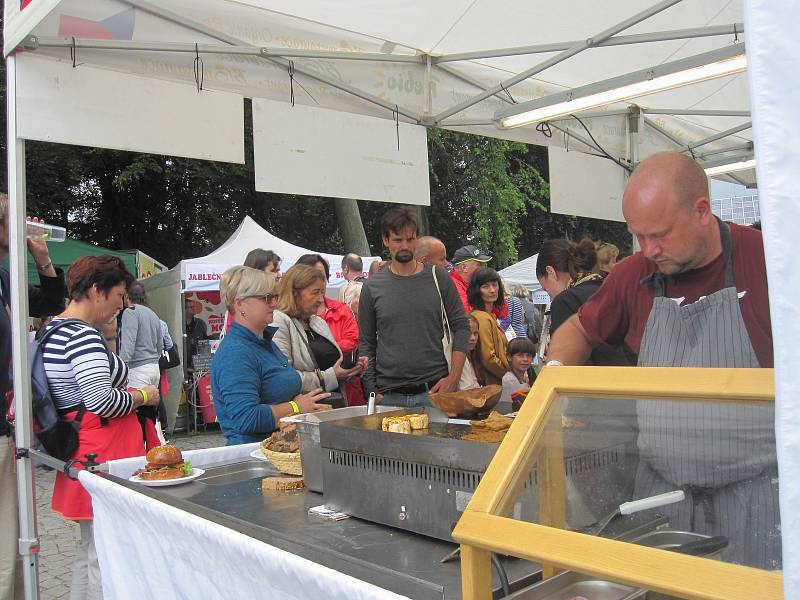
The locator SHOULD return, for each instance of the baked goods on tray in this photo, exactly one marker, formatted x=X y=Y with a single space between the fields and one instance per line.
x=283 y=440
x=405 y=423
x=282 y=484
x=492 y=429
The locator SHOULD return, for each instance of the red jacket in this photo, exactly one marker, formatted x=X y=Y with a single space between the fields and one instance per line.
x=461 y=286
x=343 y=324
x=344 y=328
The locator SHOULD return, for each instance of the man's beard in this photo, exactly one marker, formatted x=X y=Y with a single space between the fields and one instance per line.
x=404 y=256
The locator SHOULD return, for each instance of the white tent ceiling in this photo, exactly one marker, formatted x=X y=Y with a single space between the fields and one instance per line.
x=372 y=57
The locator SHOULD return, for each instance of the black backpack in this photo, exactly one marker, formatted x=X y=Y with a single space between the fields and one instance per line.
x=57 y=435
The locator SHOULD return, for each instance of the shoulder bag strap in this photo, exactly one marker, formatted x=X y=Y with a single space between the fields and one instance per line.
x=44 y=334
x=304 y=337
x=445 y=320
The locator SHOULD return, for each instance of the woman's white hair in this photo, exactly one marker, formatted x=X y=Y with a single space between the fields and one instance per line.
x=242 y=282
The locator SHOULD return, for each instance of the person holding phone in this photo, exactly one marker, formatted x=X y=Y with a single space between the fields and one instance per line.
x=303 y=336
x=343 y=325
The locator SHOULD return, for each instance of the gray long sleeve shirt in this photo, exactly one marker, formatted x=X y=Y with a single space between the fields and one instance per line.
x=400 y=327
x=140 y=339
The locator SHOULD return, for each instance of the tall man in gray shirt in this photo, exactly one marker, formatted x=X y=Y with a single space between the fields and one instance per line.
x=400 y=321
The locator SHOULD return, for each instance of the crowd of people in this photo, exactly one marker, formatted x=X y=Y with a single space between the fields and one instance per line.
x=384 y=334
x=418 y=324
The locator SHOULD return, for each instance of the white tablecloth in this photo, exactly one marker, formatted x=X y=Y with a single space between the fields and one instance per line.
x=148 y=549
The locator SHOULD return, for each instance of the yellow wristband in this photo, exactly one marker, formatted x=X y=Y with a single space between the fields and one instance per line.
x=295 y=407
x=145 y=399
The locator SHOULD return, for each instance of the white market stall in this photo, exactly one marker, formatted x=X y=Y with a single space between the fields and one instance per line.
x=170 y=78
x=203 y=273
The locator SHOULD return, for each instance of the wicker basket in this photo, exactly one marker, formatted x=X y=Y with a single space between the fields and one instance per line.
x=286 y=462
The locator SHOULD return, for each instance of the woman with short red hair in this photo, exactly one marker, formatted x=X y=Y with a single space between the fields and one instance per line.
x=87 y=382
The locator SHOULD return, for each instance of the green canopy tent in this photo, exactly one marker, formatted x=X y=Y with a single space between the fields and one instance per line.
x=63 y=254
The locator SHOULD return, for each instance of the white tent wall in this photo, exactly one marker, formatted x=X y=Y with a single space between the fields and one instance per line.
x=163 y=295
x=774 y=54
x=523 y=272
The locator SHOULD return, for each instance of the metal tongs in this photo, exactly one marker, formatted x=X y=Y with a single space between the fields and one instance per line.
x=629 y=508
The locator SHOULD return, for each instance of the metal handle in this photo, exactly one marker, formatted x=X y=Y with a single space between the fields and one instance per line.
x=628 y=508
x=371 y=404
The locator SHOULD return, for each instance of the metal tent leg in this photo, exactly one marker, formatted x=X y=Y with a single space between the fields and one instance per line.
x=28 y=540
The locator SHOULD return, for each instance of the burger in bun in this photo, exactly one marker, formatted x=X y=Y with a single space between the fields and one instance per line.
x=164 y=462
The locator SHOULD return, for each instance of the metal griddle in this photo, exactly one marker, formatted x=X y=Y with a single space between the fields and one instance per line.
x=422 y=481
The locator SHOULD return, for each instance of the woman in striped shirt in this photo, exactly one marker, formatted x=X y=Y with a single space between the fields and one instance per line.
x=87 y=383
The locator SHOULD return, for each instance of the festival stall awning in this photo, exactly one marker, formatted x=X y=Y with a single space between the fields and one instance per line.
x=203 y=273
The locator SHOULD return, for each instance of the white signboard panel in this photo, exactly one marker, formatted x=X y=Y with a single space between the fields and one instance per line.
x=106 y=109
x=319 y=152
x=585 y=185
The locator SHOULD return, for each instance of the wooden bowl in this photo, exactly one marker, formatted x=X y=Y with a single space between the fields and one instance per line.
x=467 y=402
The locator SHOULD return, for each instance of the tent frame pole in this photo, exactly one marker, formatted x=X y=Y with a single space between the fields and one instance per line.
x=719 y=136
x=620 y=40
x=33 y=42
x=28 y=539
x=696 y=113
x=420 y=57
x=560 y=57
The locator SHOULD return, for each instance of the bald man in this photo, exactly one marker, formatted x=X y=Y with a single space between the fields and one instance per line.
x=694 y=296
x=431 y=251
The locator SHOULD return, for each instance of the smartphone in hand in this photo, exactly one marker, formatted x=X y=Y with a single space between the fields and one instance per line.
x=350 y=359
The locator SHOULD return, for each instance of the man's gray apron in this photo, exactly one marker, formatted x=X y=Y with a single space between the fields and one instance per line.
x=721 y=455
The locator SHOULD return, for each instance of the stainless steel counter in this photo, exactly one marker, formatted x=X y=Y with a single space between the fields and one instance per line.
x=400 y=561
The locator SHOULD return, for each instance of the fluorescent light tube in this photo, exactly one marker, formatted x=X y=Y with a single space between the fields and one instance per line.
x=731 y=167
x=727 y=61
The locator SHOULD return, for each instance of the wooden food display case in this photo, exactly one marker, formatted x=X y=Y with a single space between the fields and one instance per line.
x=577 y=561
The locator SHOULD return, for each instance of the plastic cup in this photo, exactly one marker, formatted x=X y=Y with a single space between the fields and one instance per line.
x=45 y=232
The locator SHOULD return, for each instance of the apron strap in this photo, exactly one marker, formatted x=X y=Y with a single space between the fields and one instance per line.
x=725 y=237
x=659 y=280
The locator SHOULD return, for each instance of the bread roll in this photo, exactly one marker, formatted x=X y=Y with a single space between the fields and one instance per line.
x=283 y=484
x=418 y=421
x=400 y=426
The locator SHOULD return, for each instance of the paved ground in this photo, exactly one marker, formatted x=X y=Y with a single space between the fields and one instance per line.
x=57 y=536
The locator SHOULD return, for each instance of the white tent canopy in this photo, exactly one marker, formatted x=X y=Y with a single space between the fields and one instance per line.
x=455 y=63
x=523 y=272
x=127 y=73
x=203 y=273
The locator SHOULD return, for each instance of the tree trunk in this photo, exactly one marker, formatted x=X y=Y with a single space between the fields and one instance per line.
x=424 y=224
x=350 y=226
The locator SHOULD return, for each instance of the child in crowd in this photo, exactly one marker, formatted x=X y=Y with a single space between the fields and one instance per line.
x=521 y=376
x=472 y=355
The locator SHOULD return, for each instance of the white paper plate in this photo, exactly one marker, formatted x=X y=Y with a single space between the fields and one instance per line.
x=257 y=453
x=164 y=482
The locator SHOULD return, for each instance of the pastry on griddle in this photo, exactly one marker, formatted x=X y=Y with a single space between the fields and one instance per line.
x=414 y=421
x=418 y=421
x=485 y=435
x=495 y=422
x=399 y=425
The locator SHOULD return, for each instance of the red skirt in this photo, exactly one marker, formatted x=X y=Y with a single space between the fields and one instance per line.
x=120 y=438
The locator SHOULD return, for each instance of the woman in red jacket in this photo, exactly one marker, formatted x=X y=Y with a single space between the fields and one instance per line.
x=344 y=327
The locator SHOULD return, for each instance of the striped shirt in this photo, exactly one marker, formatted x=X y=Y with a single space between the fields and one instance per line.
x=76 y=362
x=515 y=318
